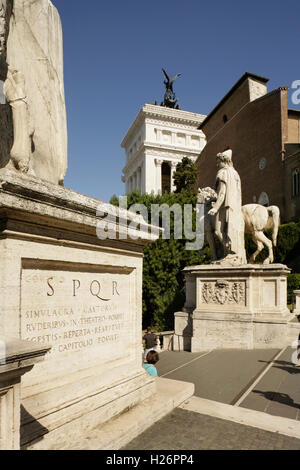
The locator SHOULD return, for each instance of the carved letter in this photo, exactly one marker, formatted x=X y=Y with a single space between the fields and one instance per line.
x=76 y=285
x=115 y=287
x=96 y=292
x=50 y=294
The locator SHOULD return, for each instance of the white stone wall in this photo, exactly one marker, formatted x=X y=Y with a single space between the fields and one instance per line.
x=159 y=135
x=256 y=89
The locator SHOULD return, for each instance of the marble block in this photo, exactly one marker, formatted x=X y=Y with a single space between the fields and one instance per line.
x=61 y=285
x=241 y=307
x=296 y=311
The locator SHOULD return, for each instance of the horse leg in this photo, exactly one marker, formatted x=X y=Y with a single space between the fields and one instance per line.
x=268 y=243
x=260 y=247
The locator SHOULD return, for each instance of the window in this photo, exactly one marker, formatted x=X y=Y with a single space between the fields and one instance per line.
x=165 y=178
x=181 y=139
x=225 y=118
x=167 y=137
x=295 y=183
x=195 y=142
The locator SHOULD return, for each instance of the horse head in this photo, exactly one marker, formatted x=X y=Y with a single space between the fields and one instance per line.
x=206 y=196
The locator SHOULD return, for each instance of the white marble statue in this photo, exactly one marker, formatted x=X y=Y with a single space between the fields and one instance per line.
x=15 y=94
x=227 y=210
x=257 y=218
x=32 y=46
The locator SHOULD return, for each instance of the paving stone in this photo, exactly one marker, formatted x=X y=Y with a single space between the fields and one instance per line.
x=183 y=429
x=278 y=393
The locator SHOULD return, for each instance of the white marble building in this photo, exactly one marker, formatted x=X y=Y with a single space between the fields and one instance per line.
x=156 y=142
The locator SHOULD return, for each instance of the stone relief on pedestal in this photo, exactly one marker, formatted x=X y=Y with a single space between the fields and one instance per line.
x=224 y=292
x=226 y=221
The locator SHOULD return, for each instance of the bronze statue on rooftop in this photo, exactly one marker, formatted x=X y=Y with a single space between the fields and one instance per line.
x=170 y=100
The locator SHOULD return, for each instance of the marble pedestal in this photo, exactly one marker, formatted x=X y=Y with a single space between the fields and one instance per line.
x=296 y=311
x=234 y=307
x=61 y=285
x=16 y=359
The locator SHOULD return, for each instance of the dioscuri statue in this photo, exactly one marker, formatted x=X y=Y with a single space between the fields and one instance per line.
x=225 y=221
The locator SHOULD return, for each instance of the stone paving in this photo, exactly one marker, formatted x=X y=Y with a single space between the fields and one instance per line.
x=224 y=376
x=185 y=430
x=278 y=392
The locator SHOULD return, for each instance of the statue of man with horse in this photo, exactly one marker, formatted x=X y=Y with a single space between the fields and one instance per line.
x=226 y=220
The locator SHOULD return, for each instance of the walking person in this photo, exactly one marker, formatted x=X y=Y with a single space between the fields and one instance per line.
x=150 y=341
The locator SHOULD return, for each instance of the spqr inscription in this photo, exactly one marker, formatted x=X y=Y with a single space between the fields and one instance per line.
x=95 y=288
x=76 y=311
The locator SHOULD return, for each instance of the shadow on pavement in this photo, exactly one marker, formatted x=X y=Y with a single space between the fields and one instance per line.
x=279 y=397
x=289 y=366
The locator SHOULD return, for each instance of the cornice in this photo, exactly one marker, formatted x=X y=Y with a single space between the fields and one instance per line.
x=165 y=151
x=174 y=124
x=173 y=114
x=160 y=113
x=155 y=151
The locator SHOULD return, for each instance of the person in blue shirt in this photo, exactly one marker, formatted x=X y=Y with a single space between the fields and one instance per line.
x=152 y=359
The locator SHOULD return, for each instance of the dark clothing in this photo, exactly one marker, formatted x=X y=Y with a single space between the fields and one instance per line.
x=150 y=340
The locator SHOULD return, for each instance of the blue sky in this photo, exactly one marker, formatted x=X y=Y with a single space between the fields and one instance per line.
x=114 y=52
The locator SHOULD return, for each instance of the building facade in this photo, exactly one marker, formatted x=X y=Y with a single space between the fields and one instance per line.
x=265 y=138
x=156 y=142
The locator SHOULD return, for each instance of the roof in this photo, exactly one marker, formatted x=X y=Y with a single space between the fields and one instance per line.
x=164 y=114
x=237 y=85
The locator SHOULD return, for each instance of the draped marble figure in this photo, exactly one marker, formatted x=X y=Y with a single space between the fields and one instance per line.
x=227 y=209
x=31 y=67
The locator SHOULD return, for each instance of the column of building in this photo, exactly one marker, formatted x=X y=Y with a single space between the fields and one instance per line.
x=158 y=164
x=173 y=169
x=136 y=181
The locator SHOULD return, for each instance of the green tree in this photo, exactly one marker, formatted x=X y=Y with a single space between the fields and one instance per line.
x=164 y=260
x=185 y=177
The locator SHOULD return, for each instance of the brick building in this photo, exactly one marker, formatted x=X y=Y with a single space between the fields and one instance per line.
x=265 y=138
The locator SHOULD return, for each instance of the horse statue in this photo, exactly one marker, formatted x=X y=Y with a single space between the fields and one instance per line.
x=257 y=218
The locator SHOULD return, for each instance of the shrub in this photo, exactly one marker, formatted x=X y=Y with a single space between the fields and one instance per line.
x=293 y=284
x=164 y=260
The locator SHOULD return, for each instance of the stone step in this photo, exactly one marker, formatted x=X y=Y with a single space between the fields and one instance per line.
x=257 y=419
x=118 y=432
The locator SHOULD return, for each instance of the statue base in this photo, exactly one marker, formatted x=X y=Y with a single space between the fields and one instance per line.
x=241 y=307
x=63 y=286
